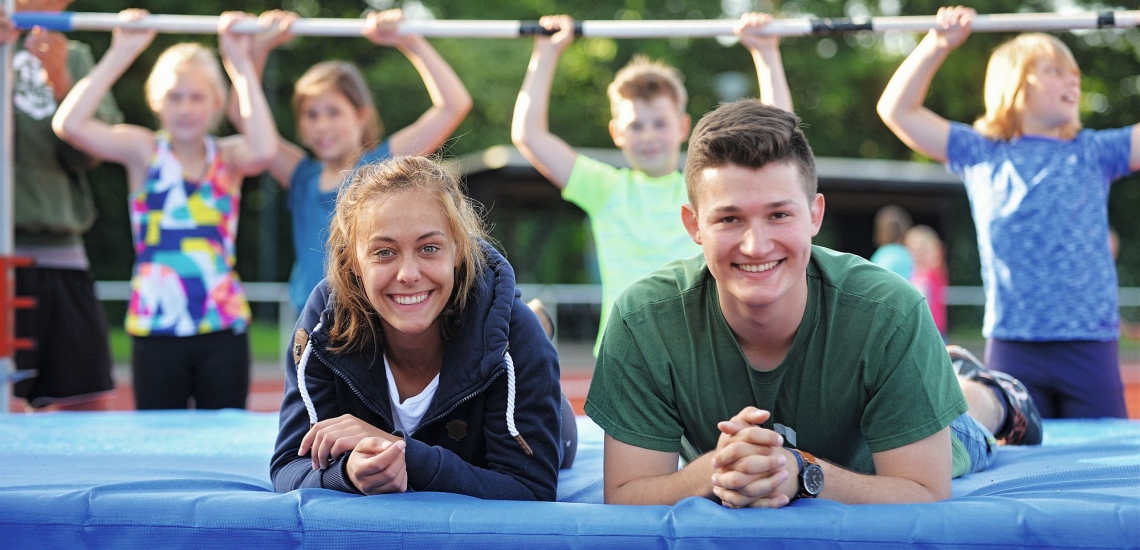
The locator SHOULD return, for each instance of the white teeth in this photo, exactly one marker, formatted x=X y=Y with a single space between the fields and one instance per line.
x=757 y=268
x=411 y=300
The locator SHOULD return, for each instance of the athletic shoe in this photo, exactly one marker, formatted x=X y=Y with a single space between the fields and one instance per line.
x=1022 y=420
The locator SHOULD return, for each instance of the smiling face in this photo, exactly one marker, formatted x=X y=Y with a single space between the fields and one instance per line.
x=190 y=106
x=331 y=126
x=650 y=133
x=1052 y=97
x=755 y=227
x=406 y=260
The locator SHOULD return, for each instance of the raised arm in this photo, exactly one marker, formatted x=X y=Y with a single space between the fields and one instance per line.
x=288 y=154
x=252 y=150
x=75 y=120
x=1134 y=154
x=765 y=52
x=530 y=129
x=901 y=105
x=450 y=101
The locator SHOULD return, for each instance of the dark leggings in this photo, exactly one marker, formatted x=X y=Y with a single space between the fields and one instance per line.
x=212 y=369
x=1075 y=379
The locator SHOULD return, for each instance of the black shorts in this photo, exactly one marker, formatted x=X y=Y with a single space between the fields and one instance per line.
x=211 y=369
x=72 y=354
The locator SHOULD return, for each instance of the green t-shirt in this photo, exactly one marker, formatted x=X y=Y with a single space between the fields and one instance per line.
x=53 y=204
x=636 y=221
x=866 y=372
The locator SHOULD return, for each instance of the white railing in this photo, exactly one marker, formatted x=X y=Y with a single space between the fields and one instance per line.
x=551 y=295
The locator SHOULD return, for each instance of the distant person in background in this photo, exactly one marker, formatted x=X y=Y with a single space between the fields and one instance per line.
x=1039 y=187
x=633 y=212
x=53 y=209
x=1128 y=329
x=188 y=315
x=929 y=273
x=891 y=224
x=338 y=124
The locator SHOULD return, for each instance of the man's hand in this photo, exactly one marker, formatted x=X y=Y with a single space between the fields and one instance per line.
x=750 y=465
x=331 y=438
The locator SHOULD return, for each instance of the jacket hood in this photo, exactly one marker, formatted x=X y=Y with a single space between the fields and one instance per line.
x=475 y=354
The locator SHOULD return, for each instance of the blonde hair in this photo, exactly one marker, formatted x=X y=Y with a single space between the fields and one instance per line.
x=356 y=324
x=923 y=243
x=1006 y=74
x=344 y=78
x=175 y=60
x=646 y=79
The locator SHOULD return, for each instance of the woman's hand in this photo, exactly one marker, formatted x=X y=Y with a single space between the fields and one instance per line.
x=377 y=466
x=331 y=438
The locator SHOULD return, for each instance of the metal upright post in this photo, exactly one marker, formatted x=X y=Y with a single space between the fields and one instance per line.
x=7 y=159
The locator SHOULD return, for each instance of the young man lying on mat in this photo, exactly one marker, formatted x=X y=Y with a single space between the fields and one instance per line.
x=777 y=369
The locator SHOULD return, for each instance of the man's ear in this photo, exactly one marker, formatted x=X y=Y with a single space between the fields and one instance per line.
x=816 y=213
x=689 y=219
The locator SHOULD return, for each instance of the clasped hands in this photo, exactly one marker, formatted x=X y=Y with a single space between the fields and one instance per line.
x=376 y=465
x=750 y=466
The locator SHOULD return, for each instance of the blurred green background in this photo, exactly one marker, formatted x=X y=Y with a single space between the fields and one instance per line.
x=835 y=83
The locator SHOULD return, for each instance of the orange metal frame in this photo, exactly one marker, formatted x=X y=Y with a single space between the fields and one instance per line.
x=9 y=302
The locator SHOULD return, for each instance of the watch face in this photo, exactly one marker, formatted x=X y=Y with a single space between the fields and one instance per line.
x=813 y=479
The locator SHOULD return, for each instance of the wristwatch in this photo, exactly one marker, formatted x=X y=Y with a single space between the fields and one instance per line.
x=811 y=475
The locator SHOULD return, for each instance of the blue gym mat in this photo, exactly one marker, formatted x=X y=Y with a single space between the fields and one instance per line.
x=201 y=479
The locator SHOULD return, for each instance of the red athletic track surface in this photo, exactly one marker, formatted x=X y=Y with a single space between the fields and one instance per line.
x=265 y=393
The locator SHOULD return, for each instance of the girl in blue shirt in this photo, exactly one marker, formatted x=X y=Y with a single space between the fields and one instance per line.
x=338 y=123
x=1038 y=187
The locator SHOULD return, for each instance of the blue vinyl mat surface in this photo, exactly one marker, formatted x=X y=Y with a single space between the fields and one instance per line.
x=201 y=479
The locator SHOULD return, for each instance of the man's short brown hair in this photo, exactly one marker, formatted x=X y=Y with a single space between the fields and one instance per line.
x=749 y=134
x=646 y=80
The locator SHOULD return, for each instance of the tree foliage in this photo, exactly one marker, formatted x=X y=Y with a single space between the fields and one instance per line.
x=835 y=83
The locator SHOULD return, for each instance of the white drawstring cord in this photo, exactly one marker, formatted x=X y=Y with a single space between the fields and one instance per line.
x=511 y=406
x=301 y=378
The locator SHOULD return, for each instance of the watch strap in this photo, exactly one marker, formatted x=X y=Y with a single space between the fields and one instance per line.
x=803 y=460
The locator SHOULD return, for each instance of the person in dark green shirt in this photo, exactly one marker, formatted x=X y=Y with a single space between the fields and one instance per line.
x=53 y=209
x=775 y=368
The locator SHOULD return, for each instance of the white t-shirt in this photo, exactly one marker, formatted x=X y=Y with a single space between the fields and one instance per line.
x=408 y=414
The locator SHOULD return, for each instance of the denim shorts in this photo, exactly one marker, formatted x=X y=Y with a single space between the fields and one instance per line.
x=978 y=441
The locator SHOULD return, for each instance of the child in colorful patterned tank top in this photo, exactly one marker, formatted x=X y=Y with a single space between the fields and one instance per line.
x=1038 y=187
x=188 y=314
x=338 y=123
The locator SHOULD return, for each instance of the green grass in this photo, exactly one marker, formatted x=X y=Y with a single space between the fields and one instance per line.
x=263 y=342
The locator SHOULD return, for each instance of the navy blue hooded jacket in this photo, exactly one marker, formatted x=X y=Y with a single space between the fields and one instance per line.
x=462 y=445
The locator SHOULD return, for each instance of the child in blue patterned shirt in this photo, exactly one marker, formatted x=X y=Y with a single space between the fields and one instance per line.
x=1038 y=187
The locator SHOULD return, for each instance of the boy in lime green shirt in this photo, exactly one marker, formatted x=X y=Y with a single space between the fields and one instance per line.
x=633 y=212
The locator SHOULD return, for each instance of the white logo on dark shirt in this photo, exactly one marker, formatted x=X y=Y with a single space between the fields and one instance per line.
x=31 y=94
